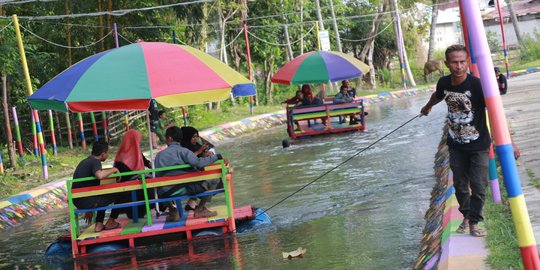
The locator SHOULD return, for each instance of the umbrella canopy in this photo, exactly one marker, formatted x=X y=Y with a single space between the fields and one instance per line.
x=127 y=78
x=320 y=67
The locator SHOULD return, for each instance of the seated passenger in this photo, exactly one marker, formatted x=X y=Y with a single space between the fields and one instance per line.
x=175 y=155
x=306 y=91
x=294 y=100
x=130 y=158
x=91 y=167
x=190 y=140
x=312 y=101
x=345 y=84
x=343 y=97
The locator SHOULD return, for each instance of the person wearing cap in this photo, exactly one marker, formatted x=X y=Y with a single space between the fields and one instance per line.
x=501 y=81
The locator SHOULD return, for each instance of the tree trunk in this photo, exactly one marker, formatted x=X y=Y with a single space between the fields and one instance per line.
x=399 y=40
x=377 y=19
x=515 y=21
x=432 y=29
x=319 y=15
x=100 y=24
x=11 y=148
x=336 y=30
x=301 y=27
x=68 y=33
x=204 y=28
x=372 y=80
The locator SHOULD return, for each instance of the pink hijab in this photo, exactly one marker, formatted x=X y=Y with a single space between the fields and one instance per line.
x=129 y=152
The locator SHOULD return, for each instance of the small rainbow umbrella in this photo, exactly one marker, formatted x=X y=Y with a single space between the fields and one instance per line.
x=320 y=67
x=127 y=78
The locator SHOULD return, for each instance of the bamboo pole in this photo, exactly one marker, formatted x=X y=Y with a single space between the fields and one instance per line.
x=29 y=89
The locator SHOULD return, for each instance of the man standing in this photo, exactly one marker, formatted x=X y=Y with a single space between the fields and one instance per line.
x=91 y=167
x=468 y=138
x=501 y=81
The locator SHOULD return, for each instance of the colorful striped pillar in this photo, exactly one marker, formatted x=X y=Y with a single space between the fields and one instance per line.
x=505 y=151
x=70 y=135
x=81 y=130
x=53 y=137
x=41 y=142
x=94 y=126
x=126 y=119
x=17 y=132
x=473 y=66
x=505 y=48
x=105 y=129
x=34 y=136
x=1 y=163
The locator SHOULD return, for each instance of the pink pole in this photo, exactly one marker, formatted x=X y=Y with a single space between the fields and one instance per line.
x=505 y=49
x=505 y=151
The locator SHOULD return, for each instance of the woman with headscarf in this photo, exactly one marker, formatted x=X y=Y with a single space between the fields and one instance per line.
x=130 y=158
x=191 y=141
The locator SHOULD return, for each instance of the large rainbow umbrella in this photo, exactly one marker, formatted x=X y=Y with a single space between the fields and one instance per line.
x=320 y=67
x=127 y=78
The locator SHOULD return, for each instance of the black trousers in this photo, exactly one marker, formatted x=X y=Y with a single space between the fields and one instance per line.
x=98 y=201
x=470 y=169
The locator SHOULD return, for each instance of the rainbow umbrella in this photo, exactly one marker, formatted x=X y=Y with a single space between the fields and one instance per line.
x=127 y=78
x=320 y=67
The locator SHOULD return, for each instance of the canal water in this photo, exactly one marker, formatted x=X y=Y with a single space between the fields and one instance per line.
x=366 y=214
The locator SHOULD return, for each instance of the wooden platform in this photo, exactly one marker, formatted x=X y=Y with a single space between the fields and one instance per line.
x=130 y=231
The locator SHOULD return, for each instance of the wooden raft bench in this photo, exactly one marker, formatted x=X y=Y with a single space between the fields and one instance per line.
x=334 y=114
x=133 y=229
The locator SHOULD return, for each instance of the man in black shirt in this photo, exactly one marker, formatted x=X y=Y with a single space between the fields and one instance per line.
x=468 y=137
x=501 y=81
x=91 y=167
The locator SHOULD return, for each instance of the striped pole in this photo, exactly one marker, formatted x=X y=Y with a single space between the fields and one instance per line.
x=29 y=89
x=249 y=65
x=34 y=135
x=94 y=126
x=1 y=163
x=81 y=130
x=41 y=142
x=70 y=135
x=505 y=151
x=53 y=138
x=104 y=122
x=493 y=177
x=505 y=48
x=472 y=60
x=184 y=114
x=126 y=119
x=17 y=132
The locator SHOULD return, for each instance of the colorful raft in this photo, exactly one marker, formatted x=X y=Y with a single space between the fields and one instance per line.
x=310 y=119
x=135 y=232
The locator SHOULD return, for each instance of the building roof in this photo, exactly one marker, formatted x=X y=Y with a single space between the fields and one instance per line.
x=521 y=8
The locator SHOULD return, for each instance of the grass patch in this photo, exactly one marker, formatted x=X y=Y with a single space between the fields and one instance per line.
x=533 y=180
x=501 y=238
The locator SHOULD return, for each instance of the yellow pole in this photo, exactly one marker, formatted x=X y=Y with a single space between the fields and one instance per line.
x=23 y=55
x=30 y=91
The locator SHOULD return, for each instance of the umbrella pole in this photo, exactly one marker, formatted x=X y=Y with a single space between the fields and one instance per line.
x=152 y=157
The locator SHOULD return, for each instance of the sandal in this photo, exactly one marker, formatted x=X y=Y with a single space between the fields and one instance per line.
x=463 y=228
x=478 y=233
